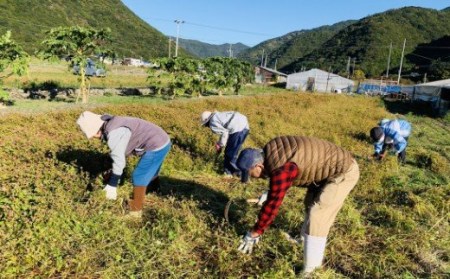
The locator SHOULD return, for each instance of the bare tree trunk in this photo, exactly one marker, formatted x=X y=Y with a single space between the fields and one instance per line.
x=88 y=92
x=82 y=86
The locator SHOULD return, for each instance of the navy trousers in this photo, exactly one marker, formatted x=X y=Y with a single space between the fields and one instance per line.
x=234 y=144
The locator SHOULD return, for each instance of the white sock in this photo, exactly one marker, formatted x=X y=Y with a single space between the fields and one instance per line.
x=314 y=250
x=111 y=192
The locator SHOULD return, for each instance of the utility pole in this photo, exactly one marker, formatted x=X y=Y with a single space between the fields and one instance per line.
x=328 y=78
x=178 y=22
x=276 y=60
x=265 y=61
x=401 y=62
x=348 y=67
x=230 y=51
x=389 y=61
x=354 y=65
x=170 y=47
x=262 y=58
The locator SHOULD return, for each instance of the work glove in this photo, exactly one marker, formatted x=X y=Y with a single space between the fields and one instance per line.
x=111 y=192
x=378 y=156
x=218 y=148
x=262 y=198
x=247 y=242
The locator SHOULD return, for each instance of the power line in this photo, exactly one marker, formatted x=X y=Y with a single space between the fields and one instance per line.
x=237 y=31
x=232 y=30
x=218 y=28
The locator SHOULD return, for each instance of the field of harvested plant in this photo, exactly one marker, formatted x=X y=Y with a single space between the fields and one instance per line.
x=56 y=223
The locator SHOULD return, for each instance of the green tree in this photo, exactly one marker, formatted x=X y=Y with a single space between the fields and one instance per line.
x=440 y=69
x=225 y=72
x=359 y=75
x=195 y=77
x=13 y=61
x=215 y=71
x=79 y=43
x=238 y=73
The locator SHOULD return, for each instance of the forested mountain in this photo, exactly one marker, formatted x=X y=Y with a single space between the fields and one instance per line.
x=29 y=19
x=432 y=58
x=367 y=42
x=289 y=47
x=204 y=50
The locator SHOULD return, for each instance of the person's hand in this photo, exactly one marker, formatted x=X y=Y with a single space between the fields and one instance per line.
x=106 y=175
x=218 y=148
x=247 y=243
x=393 y=151
x=378 y=156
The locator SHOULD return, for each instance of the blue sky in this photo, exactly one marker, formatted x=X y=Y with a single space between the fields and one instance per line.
x=252 y=22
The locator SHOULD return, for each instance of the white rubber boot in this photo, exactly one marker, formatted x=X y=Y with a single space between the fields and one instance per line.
x=303 y=230
x=314 y=249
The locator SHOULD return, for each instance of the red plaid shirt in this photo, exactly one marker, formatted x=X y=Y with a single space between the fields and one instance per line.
x=280 y=181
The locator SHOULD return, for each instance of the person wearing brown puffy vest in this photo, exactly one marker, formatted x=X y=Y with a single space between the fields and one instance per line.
x=327 y=171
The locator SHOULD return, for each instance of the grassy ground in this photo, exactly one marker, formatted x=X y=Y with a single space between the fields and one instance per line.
x=117 y=76
x=56 y=223
x=44 y=105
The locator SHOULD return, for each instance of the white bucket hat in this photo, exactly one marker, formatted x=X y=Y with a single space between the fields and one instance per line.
x=90 y=123
x=206 y=116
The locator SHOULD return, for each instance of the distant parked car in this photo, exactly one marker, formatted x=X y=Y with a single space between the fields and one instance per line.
x=91 y=70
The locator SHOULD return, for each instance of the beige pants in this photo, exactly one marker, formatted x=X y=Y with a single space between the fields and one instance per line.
x=323 y=203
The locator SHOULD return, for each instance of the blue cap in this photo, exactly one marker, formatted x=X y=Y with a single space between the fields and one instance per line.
x=248 y=158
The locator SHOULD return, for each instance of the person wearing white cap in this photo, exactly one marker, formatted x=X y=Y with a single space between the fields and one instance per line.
x=233 y=129
x=129 y=136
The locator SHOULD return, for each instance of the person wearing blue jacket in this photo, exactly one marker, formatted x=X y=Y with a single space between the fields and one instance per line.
x=233 y=129
x=391 y=134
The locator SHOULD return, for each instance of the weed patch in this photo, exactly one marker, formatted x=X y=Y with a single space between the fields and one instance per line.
x=55 y=221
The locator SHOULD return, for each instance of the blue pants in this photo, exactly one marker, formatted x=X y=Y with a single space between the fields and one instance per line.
x=149 y=166
x=234 y=144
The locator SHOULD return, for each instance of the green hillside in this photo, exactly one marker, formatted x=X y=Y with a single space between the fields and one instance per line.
x=289 y=47
x=368 y=41
x=204 y=50
x=29 y=19
x=432 y=58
